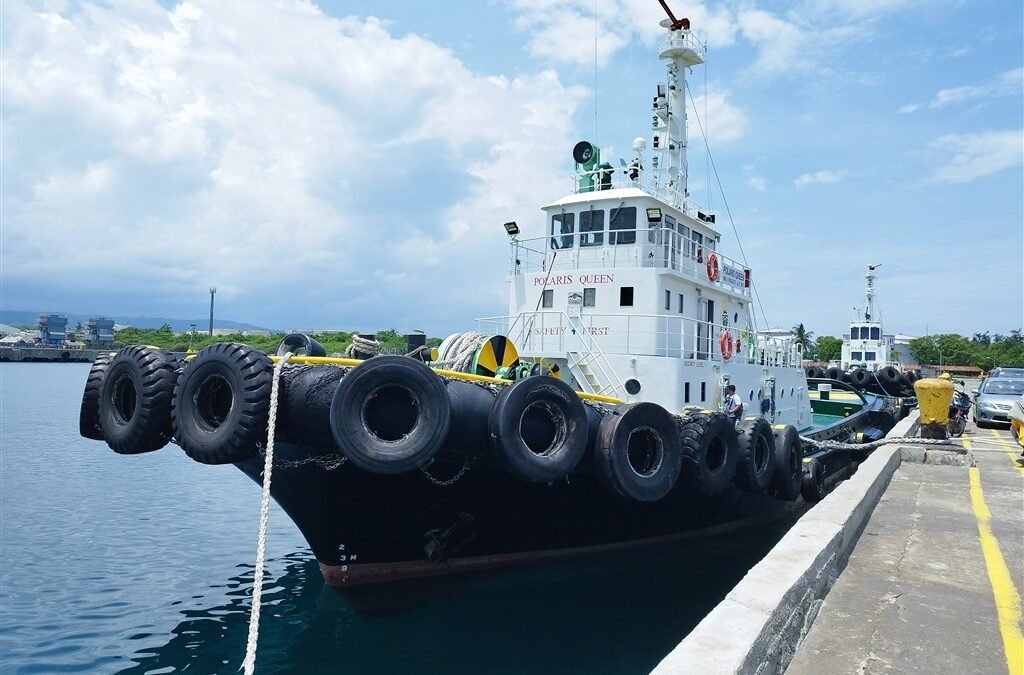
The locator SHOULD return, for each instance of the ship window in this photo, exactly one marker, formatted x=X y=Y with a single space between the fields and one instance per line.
x=681 y=296
x=626 y=296
x=696 y=241
x=684 y=239
x=591 y=228
x=668 y=300
x=562 y=224
x=686 y=392
x=622 y=218
x=876 y=333
x=869 y=356
x=703 y=391
x=855 y=356
x=548 y=298
x=589 y=297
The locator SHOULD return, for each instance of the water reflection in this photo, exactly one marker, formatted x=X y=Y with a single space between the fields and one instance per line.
x=617 y=613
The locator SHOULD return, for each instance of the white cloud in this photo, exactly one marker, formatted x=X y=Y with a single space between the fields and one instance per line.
x=909 y=108
x=962 y=158
x=1009 y=83
x=825 y=176
x=795 y=46
x=277 y=153
x=757 y=183
x=722 y=121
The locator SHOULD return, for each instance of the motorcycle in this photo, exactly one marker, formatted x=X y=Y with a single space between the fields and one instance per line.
x=959 y=408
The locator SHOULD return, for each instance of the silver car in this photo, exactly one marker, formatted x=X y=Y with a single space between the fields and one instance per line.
x=993 y=400
x=1013 y=373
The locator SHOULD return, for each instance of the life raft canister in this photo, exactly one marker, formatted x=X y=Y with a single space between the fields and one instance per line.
x=712 y=266
x=725 y=343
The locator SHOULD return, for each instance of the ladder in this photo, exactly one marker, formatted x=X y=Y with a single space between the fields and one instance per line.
x=589 y=365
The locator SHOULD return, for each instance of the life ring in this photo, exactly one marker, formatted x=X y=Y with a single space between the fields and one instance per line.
x=725 y=344
x=712 y=266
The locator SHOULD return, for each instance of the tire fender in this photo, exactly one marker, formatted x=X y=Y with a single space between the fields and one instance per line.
x=787 y=465
x=390 y=414
x=221 y=403
x=538 y=429
x=709 y=450
x=135 y=399
x=757 y=449
x=89 y=413
x=637 y=451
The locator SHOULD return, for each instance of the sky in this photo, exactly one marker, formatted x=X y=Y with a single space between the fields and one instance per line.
x=349 y=165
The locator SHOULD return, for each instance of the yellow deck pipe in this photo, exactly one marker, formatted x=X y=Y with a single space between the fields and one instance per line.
x=934 y=394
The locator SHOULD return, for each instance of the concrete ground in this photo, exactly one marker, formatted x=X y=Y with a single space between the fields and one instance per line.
x=920 y=592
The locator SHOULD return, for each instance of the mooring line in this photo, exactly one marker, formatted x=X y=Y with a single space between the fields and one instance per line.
x=1007 y=599
x=249 y=664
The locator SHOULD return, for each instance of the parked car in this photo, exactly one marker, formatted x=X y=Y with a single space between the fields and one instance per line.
x=1007 y=372
x=992 y=400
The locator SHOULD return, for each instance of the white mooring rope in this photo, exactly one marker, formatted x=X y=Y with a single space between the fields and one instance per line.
x=249 y=665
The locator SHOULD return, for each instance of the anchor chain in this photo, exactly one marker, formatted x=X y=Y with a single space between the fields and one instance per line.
x=447 y=481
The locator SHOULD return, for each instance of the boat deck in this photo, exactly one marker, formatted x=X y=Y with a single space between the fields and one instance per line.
x=933 y=585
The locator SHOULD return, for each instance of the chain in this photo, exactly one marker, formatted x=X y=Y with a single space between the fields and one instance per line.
x=450 y=481
x=249 y=664
x=326 y=462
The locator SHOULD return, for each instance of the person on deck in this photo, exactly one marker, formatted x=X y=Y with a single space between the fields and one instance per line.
x=733 y=404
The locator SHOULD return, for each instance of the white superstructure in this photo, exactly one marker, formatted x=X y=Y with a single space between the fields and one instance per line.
x=866 y=345
x=627 y=292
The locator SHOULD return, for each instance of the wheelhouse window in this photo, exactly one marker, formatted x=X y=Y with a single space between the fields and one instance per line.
x=548 y=298
x=697 y=245
x=589 y=297
x=591 y=228
x=673 y=238
x=562 y=227
x=855 y=356
x=869 y=356
x=683 y=239
x=622 y=225
x=876 y=333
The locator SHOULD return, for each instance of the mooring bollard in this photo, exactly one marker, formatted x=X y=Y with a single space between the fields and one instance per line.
x=934 y=395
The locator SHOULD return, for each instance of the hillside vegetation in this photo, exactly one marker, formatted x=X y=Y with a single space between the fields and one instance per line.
x=333 y=342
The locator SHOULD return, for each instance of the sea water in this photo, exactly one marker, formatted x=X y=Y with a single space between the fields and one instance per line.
x=144 y=564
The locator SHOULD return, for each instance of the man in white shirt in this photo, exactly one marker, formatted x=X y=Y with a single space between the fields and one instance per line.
x=733 y=404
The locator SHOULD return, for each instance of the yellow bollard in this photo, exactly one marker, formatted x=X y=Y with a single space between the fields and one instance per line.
x=933 y=397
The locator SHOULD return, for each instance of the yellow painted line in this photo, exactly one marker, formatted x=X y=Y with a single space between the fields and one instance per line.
x=967 y=443
x=1008 y=603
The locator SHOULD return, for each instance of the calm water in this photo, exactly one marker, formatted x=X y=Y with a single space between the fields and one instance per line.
x=143 y=564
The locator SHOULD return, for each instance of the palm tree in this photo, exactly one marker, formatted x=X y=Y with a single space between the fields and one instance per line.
x=803 y=338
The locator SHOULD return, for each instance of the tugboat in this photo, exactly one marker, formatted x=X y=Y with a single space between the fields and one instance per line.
x=587 y=419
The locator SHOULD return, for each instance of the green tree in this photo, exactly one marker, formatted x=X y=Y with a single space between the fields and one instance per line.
x=802 y=337
x=828 y=348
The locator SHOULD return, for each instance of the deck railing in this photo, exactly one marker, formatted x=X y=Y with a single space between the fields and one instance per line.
x=554 y=333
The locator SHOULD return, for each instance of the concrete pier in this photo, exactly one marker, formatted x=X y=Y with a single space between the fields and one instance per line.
x=933 y=585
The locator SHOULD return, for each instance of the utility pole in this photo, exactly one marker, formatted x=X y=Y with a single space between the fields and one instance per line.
x=213 y=292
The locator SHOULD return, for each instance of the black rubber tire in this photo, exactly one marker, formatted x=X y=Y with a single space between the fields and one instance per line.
x=787 y=464
x=812 y=484
x=390 y=414
x=222 y=402
x=89 y=414
x=135 y=400
x=549 y=443
x=300 y=344
x=810 y=371
x=709 y=449
x=860 y=378
x=637 y=451
x=834 y=373
x=890 y=378
x=757 y=448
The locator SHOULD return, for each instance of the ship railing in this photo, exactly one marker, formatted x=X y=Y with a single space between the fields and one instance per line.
x=657 y=184
x=550 y=332
x=654 y=247
x=685 y=39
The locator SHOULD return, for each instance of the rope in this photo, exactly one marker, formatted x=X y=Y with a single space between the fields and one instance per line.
x=362 y=345
x=836 y=445
x=459 y=354
x=261 y=547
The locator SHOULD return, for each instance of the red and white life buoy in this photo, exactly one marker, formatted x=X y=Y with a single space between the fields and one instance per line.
x=712 y=266
x=725 y=344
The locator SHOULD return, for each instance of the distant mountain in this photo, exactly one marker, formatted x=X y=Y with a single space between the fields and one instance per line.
x=21 y=318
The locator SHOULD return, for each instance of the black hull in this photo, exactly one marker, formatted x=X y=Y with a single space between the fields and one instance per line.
x=366 y=528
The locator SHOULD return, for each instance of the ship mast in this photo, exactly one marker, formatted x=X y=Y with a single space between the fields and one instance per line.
x=869 y=308
x=682 y=49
